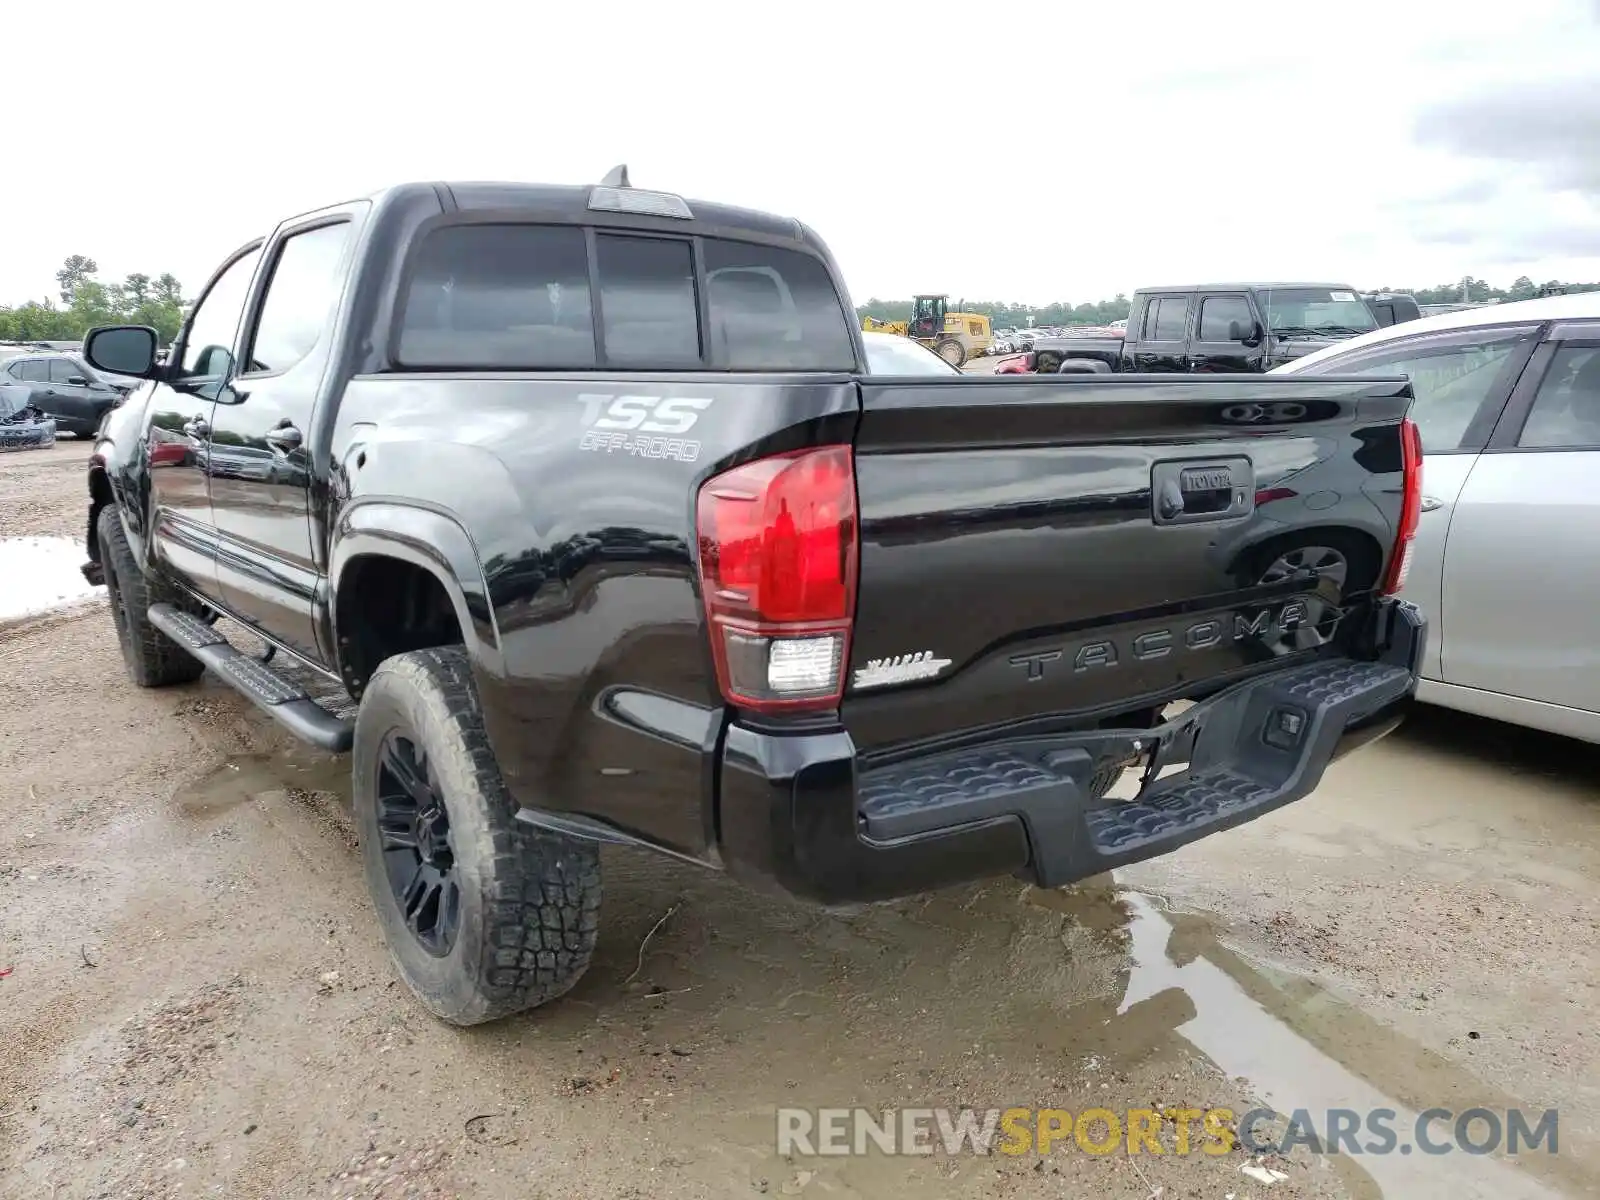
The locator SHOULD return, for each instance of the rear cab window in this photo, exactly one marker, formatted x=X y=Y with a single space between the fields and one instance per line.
x=528 y=297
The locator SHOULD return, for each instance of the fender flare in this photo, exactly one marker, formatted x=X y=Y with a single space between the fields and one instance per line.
x=1083 y=366
x=128 y=509
x=425 y=537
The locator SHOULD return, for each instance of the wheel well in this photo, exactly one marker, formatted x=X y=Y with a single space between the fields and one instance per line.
x=387 y=606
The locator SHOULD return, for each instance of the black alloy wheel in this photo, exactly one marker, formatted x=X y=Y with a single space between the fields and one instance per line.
x=418 y=855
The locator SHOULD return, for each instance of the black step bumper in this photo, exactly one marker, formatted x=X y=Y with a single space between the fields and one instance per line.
x=799 y=812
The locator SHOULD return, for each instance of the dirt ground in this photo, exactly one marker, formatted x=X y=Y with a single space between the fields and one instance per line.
x=194 y=999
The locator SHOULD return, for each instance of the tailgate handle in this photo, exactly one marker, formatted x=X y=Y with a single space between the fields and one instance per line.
x=1187 y=493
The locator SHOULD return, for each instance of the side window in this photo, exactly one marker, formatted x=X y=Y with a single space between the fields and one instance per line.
x=14 y=368
x=299 y=299
x=773 y=309
x=208 y=342
x=1147 y=327
x=1452 y=381
x=1566 y=411
x=36 y=370
x=1171 y=317
x=498 y=296
x=1218 y=314
x=647 y=302
x=61 y=370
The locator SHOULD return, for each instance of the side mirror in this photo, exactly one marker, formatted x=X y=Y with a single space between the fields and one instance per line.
x=1249 y=335
x=77 y=381
x=122 y=349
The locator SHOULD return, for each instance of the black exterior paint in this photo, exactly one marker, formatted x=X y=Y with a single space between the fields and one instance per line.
x=1000 y=518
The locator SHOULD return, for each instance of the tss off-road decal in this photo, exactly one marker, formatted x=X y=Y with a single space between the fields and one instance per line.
x=642 y=426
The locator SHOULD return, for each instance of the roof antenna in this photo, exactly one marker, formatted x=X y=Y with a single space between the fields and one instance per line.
x=617 y=177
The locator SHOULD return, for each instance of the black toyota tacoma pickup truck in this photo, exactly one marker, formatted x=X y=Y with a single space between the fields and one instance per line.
x=1214 y=328
x=584 y=502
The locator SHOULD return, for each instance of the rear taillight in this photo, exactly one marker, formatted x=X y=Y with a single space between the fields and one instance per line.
x=778 y=561
x=1410 y=508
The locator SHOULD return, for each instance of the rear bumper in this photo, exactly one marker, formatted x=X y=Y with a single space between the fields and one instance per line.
x=799 y=813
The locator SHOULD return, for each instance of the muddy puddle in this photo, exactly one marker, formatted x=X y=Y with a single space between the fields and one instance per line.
x=38 y=574
x=1302 y=1050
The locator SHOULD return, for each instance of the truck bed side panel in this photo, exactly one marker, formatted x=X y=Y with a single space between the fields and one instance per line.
x=600 y=698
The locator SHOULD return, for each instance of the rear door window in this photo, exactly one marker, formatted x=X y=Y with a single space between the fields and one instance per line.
x=773 y=310
x=36 y=370
x=499 y=296
x=1166 y=319
x=1566 y=411
x=300 y=294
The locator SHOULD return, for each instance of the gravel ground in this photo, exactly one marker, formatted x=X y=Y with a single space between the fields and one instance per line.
x=194 y=1000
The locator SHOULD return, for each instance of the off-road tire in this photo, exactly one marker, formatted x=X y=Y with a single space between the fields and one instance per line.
x=153 y=659
x=530 y=899
x=952 y=352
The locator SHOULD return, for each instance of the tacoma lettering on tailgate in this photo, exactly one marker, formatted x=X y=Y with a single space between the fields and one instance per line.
x=1158 y=643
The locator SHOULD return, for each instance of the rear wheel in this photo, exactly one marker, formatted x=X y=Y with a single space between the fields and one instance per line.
x=952 y=352
x=484 y=916
x=153 y=659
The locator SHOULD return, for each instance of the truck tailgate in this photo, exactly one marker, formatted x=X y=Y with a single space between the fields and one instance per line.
x=1076 y=546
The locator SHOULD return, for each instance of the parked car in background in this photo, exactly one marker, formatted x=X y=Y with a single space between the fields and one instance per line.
x=1507 y=553
x=22 y=427
x=1209 y=328
x=1392 y=308
x=891 y=354
x=66 y=388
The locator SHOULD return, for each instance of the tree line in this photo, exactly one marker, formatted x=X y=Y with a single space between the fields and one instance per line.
x=158 y=301
x=86 y=301
x=1103 y=312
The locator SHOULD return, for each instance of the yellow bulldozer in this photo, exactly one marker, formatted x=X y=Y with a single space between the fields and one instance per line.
x=953 y=336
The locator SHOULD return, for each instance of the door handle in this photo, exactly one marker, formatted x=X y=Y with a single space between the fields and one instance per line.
x=1429 y=503
x=284 y=436
x=197 y=427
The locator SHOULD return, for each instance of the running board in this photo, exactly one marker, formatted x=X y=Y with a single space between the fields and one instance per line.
x=281 y=699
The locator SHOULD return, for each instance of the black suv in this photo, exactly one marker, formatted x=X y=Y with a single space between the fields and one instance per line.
x=65 y=387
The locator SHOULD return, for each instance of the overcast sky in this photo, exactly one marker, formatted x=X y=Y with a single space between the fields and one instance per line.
x=1055 y=151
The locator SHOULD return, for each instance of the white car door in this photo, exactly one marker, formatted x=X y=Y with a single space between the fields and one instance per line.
x=1522 y=572
x=1461 y=379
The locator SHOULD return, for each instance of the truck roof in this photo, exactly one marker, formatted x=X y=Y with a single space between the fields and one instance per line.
x=1248 y=287
x=570 y=203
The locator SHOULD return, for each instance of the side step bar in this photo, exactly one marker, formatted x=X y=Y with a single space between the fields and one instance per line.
x=281 y=699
